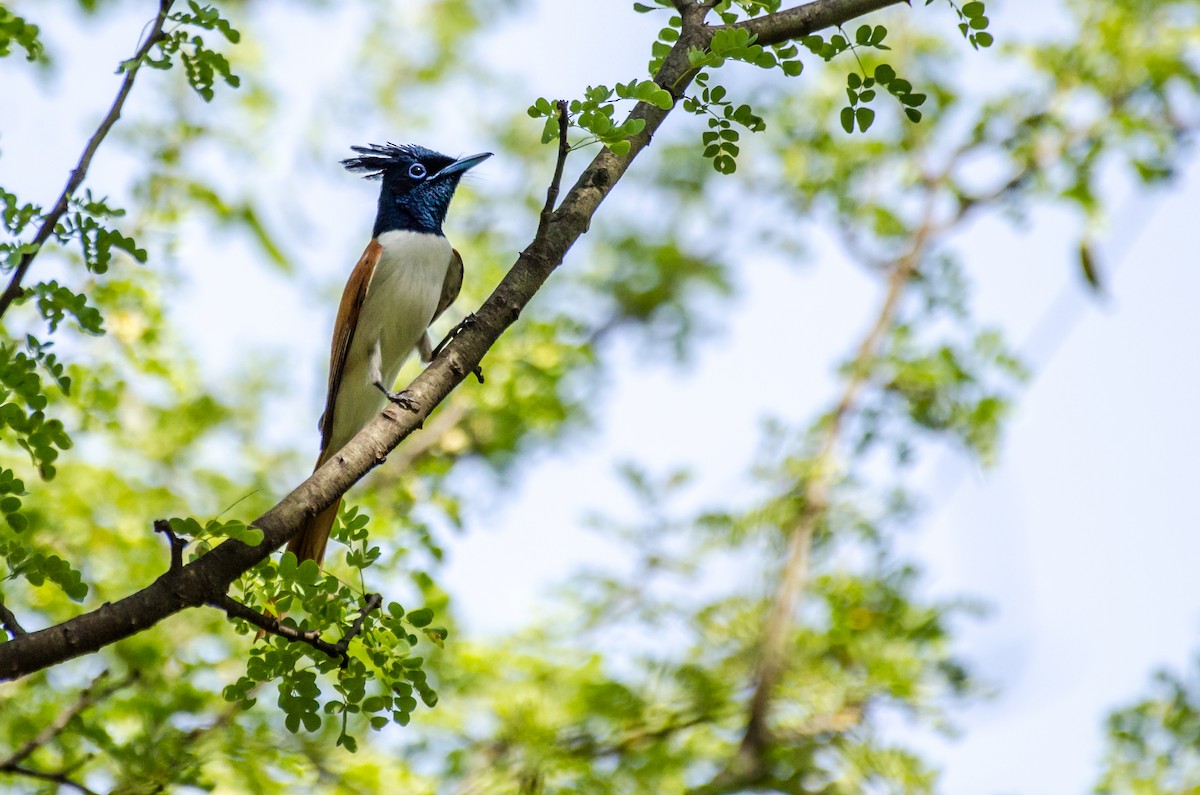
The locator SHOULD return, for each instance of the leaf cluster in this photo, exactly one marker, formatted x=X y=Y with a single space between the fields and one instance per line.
x=380 y=677
x=202 y=65
x=15 y=30
x=973 y=22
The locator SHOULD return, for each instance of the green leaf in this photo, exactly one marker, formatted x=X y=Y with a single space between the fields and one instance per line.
x=421 y=617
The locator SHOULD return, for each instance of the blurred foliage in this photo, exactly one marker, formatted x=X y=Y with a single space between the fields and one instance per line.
x=1154 y=745
x=640 y=678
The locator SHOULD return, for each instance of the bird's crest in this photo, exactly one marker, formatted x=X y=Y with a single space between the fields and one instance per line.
x=376 y=160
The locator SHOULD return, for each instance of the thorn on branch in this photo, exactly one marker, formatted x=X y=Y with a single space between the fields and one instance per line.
x=272 y=625
x=563 y=149
x=177 y=543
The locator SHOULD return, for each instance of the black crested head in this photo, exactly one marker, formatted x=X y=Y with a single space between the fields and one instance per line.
x=418 y=184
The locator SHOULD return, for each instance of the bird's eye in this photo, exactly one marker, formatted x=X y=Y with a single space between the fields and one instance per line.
x=416 y=171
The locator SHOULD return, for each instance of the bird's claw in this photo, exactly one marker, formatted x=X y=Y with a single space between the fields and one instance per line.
x=462 y=326
x=403 y=399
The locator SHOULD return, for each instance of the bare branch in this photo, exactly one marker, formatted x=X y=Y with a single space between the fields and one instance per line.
x=404 y=458
x=59 y=778
x=177 y=544
x=235 y=609
x=13 y=291
x=10 y=623
x=90 y=696
x=794 y=23
x=207 y=579
x=749 y=766
x=564 y=148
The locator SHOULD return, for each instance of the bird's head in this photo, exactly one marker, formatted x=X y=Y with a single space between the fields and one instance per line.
x=418 y=184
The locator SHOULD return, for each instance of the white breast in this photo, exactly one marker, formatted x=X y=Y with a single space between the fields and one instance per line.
x=401 y=298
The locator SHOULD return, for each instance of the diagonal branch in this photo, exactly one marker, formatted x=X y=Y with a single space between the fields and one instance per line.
x=748 y=766
x=13 y=291
x=206 y=579
x=60 y=778
x=235 y=609
x=90 y=696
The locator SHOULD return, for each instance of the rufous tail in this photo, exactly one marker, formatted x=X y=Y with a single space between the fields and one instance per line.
x=309 y=543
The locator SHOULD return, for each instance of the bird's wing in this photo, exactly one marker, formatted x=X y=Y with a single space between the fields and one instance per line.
x=343 y=332
x=452 y=285
x=450 y=289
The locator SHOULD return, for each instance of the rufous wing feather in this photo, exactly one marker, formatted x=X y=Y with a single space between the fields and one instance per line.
x=309 y=543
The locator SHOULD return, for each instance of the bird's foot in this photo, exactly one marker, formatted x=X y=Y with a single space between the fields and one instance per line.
x=462 y=326
x=403 y=399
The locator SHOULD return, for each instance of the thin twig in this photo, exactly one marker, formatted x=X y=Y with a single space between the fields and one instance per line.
x=10 y=623
x=177 y=543
x=91 y=695
x=14 y=290
x=748 y=764
x=58 y=778
x=563 y=149
x=588 y=748
x=235 y=609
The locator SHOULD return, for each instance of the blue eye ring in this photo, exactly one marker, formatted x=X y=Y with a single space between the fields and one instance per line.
x=417 y=171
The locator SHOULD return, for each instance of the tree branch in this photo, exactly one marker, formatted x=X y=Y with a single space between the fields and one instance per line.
x=177 y=544
x=207 y=579
x=748 y=766
x=91 y=695
x=235 y=609
x=14 y=291
x=60 y=778
x=10 y=623
x=794 y=23
x=564 y=148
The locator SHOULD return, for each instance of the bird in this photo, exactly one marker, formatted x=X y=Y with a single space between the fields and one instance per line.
x=406 y=278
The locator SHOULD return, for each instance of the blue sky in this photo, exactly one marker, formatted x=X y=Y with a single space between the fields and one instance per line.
x=1082 y=539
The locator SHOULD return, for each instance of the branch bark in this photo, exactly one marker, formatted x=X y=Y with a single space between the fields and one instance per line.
x=793 y=23
x=13 y=291
x=10 y=623
x=208 y=578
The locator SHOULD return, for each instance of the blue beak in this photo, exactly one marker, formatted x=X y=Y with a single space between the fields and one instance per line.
x=462 y=164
